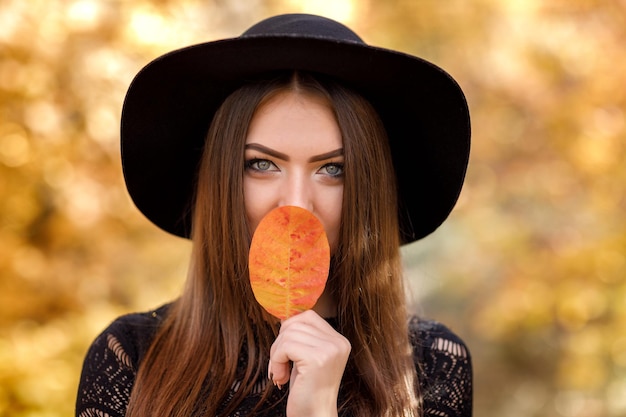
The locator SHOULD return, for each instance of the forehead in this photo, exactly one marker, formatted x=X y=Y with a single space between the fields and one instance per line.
x=295 y=118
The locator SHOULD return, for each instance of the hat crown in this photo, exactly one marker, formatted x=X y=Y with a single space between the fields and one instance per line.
x=302 y=26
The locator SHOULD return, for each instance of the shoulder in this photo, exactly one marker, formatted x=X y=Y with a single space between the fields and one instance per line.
x=133 y=333
x=125 y=340
x=111 y=363
x=431 y=337
x=444 y=368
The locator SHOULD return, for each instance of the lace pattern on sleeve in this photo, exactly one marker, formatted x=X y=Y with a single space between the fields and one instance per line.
x=106 y=381
x=446 y=374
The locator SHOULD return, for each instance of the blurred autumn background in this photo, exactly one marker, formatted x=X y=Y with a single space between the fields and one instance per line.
x=530 y=269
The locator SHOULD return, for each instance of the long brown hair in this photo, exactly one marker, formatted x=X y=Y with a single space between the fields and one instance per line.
x=192 y=363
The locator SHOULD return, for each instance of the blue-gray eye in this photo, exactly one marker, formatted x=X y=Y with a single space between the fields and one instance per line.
x=259 y=164
x=263 y=165
x=333 y=169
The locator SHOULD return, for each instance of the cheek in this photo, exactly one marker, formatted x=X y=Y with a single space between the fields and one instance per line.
x=333 y=240
x=330 y=216
x=333 y=234
x=255 y=206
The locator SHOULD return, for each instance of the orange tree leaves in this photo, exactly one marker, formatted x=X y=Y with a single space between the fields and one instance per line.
x=289 y=261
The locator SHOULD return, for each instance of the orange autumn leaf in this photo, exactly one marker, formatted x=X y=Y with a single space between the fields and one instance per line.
x=289 y=261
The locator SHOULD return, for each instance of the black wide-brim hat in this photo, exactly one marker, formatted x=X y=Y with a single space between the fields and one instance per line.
x=172 y=100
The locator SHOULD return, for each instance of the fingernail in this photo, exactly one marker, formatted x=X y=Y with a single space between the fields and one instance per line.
x=270 y=375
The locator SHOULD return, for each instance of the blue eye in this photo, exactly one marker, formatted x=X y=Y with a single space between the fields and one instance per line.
x=333 y=169
x=259 y=164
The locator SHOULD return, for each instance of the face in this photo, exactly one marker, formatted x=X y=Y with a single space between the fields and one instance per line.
x=294 y=157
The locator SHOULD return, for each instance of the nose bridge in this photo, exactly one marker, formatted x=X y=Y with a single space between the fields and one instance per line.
x=297 y=191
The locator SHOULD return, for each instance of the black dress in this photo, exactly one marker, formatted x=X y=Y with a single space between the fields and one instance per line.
x=111 y=363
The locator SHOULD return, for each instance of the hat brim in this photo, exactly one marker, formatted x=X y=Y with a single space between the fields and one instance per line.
x=171 y=102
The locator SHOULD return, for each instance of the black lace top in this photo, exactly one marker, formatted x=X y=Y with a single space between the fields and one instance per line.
x=111 y=365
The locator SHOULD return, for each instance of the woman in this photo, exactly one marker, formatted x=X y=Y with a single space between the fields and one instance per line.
x=299 y=111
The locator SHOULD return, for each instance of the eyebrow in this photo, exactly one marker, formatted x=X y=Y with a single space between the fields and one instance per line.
x=285 y=157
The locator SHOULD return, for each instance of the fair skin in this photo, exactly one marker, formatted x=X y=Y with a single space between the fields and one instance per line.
x=294 y=157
